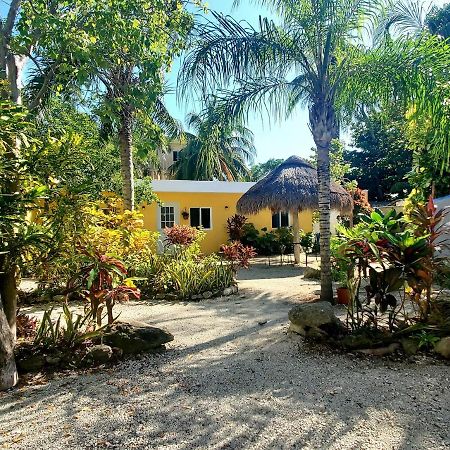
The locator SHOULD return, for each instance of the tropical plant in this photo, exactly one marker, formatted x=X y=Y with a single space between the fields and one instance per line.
x=183 y=235
x=99 y=46
x=67 y=331
x=103 y=280
x=396 y=257
x=314 y=57
x=181 y=271
x=235 y=227
x=220 y=148
x=26 y=325
x=239 y=255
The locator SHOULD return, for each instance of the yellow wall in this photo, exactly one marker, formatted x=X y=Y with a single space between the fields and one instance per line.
x=223 y=206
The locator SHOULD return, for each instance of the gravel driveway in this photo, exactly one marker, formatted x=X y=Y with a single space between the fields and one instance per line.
x=232 y=381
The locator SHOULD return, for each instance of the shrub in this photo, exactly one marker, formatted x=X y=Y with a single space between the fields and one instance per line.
x=53 y=334
x=26 y=326
x=104 y=281
x=238 y=254
x=235 y=227
x=181 y=235
x=184 y=274
x=394 y=259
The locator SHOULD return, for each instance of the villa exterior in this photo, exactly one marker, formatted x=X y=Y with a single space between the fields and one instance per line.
x=208 y=204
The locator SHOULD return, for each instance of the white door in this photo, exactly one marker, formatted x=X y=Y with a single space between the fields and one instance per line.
x=168 y=216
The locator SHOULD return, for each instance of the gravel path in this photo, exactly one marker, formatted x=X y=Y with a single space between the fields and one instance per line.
x=231 y=382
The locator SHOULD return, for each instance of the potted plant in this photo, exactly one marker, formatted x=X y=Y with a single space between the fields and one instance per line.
x=342 y=271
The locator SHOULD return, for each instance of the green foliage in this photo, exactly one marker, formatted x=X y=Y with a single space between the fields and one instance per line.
x=382 y=156
x=182 y=272
x=394 y=256
x=274 y=242
x=68 y=331
x=20 y=192
x=427 y=340
x=259 y=171
x=438 y=21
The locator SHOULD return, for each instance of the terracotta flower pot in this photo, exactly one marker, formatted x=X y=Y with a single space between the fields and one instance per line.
x=343 y=295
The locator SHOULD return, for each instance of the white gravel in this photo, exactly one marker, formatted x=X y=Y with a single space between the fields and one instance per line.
x=228 y=382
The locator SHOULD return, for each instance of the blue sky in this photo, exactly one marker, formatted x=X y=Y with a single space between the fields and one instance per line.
x=279 y=140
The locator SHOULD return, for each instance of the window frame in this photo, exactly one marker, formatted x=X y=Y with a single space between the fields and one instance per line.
x=160 y=212
x=279 y=220
x=200 y=217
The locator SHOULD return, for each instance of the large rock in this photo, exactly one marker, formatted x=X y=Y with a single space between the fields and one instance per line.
x=32 y=363
x=443 y=347
x=8 y=370
x=314 y=320
x=136 y=339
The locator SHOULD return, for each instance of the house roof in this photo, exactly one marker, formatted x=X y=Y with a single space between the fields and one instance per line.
x=293 y=185
x=231 y=187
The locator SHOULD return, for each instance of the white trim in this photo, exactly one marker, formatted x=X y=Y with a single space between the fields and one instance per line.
x=232 y=187
x=210 y=216
x=176 y=212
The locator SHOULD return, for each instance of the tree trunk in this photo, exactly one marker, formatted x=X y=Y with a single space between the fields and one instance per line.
x=8 y=296
x=8 y=370
x=126 y=158
x=296 y=232
x=324 y=128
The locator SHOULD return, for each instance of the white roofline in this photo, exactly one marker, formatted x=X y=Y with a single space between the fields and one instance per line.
x=231 y=187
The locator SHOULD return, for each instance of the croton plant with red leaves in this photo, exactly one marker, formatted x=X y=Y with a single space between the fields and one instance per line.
x=104 y=281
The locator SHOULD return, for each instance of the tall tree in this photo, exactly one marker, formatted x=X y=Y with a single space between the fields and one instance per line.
x=311 y=58
x=381 y=156
x=118 y=56
x=260 y=170
x=217 y=149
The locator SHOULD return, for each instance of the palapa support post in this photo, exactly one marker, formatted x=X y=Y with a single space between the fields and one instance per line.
x=296 y=232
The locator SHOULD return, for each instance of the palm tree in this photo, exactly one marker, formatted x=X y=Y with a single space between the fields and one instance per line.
x=218 y=148
x=310 y=59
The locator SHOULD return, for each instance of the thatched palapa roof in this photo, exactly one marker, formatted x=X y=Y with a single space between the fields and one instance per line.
x=293 y=185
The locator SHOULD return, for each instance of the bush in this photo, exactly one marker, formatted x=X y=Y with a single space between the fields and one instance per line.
x=235 y=227
x=181 y=271
x=238 y=255
x=275 y=242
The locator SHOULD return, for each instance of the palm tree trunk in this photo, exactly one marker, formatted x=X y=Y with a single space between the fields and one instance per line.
x=324 y=129
x=296 y=233
x=126 y=157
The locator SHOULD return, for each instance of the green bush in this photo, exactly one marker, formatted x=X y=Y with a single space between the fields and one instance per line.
x=183 y=272
x=275 y=242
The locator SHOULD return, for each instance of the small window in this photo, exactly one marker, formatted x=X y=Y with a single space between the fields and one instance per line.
x=200 y=217
x=280 y=219
x=175 y=156
x=167 y=217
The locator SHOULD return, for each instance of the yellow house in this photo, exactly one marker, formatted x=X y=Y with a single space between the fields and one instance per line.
x=208 y=204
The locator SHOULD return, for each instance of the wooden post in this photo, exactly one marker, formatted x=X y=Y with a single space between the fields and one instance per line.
x=296 y=230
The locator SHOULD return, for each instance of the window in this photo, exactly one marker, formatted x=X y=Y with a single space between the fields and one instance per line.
x=167 y=218
x=280 y=219
x=200 y=217
x=175 y=156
